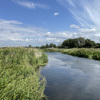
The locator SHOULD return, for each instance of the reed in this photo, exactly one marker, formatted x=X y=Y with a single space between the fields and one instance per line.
x=19 y=79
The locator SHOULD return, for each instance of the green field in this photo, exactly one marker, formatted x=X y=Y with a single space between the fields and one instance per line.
x=19 y=79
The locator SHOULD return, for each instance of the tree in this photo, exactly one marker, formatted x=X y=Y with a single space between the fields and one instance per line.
x=42 y=46
x=30 y=46
x=47 y=46
x=52 y=45
x=89 y=43
x=78 y=43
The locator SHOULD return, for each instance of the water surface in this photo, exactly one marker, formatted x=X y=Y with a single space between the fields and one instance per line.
x=71 y=78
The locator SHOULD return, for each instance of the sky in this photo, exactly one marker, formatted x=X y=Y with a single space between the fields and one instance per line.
x=37 y=22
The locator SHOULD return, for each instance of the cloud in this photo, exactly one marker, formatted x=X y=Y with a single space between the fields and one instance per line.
x=74 y=26
x=83 y=29
x=20 y=35
x=15 y=33
x=12 y=34
x=10 y=22
x=55 y=14
x=86 y=12
x=31 y=5
x=81 y=32
x=87 y=30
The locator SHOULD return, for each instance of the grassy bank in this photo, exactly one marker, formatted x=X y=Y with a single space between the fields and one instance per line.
x=84 y=52
x=52 y=50
x=91 y=53
x=18 y=77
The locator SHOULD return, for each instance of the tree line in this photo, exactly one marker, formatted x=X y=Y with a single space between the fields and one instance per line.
x=79 y=42
x=51 y=45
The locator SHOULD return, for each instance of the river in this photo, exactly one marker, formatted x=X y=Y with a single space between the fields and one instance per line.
x=71 y=78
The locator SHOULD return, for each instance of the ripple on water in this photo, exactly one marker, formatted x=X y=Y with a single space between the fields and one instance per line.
x=71 y=78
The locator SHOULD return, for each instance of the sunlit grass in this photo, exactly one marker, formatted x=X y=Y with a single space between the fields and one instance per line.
x=18 y=77
x=90 y=53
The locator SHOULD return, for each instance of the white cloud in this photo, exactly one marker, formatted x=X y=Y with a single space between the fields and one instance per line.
x=83 y=29
x=16 y=39
x=55 y=14
x=31 y=5
x=59 y=37
x=48 y=33
x=20 y=35
x=86 y=12
x=74 y=26
x=87 y=30
x=12 y=34
x=29 y=40
x=10 y=22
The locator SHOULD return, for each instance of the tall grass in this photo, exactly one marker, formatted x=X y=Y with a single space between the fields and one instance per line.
x=91 y=53
x=84 y=52
x=52 y=50
x=18 y=77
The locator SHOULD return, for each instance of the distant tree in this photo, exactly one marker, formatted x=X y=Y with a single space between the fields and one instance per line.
x=47 y=46
x=89 y=43
x=30 y=46
x=59 y=46
x=52 y=45
x=70 y=43
x=81 y=42
x=78 y=43
x=36 y=46
x=97 y=45
x=42 y=46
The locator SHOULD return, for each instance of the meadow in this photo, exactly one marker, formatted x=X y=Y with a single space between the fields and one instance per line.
x=19 y=79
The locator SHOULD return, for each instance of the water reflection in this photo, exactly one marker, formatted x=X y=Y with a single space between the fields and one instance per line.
x=71 y=78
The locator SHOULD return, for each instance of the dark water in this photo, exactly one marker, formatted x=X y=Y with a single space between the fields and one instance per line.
x=71 y=78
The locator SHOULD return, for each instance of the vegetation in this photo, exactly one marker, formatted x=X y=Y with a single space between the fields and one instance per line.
x=19 y=79
x=83 y=52
x=51 y=45
x=77 y=47
x=52 y=50
x=79 y=43
x=91 y=53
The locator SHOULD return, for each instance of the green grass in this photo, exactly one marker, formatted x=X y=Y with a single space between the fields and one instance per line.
x=90 y=53
x=52 y=50
x=19 y=79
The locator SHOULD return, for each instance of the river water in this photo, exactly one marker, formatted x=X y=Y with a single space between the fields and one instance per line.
x=71 y=78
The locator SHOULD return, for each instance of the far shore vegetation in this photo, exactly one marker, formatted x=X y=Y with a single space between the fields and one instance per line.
x=19 y=78
x=77 y=47
x=79 y=42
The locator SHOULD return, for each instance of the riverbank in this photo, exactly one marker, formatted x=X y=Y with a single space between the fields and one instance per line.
x=91 y=53
x=19 y=79
x=84 y=52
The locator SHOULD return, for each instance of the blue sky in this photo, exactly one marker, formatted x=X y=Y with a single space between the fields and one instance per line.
x=37 y=22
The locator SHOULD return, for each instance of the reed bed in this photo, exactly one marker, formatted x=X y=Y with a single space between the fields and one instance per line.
x=19 y=79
